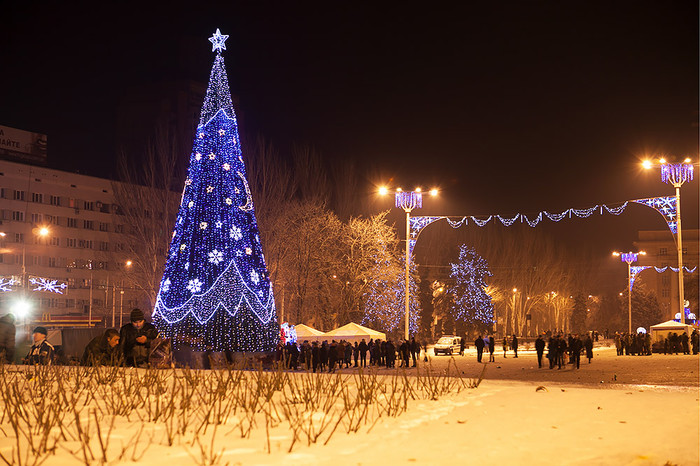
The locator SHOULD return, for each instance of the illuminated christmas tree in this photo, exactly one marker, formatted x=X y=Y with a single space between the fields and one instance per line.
x=471 y=303
x=385 y=305
x=215 y=293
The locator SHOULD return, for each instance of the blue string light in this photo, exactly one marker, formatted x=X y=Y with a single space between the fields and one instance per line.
x=215 y=293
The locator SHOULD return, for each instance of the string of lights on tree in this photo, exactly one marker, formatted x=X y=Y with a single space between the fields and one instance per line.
x=215 y=293
x=385 y=298
x=471 y=304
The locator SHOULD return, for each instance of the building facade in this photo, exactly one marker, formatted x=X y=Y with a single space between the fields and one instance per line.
x=661 y=252
x=68 y=227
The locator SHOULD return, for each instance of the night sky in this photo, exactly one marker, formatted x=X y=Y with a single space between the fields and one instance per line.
x=506 y=106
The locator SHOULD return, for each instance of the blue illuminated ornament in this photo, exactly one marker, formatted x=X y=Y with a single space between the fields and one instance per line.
x=217 y=45
x=213 y=297
x=6 y=284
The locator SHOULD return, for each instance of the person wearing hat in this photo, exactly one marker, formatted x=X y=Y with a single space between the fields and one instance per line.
x=135 y=339
x=41 y=351
x=7 y=338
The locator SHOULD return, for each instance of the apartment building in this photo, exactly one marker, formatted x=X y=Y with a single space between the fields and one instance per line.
x=67 y=227
x=661 y=252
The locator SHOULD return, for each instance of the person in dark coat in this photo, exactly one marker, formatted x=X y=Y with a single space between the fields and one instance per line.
x=505 y=347
x=41 y=352
x=588 y=344
x=390 y=356
x=348 y=354
x=561 y=351
x=7 y=338
x=576 y=347
x=462 y=344
x=363 y=353
x=135 y=339
x=103 y=350
x=356 y=353
x=332 y=355
x=479 y=343
x=514 y=345
x=539 y=347
x=694 y=341
x=492 y=348
x=315 y=356
x=415 y=350
x=552 y=350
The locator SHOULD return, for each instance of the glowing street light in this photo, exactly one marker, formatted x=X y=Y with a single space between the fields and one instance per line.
x=676 y=174
x=629 y=258
x=409 y=200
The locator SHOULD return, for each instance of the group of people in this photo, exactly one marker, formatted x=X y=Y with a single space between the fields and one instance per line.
x=338 y=354
x=488 y=343
x=559 y=348
x=674 y=343
x=129 y=346
x=633 y=344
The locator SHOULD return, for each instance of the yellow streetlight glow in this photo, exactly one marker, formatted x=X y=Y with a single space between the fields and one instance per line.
x=43 y=231
x=647 y=164
x=662 y=160
x=515 y=290
x=418 y=190
x=128 y=263
x=433 y=192
x=398 y=190
x=687 y=160
x=383 y=190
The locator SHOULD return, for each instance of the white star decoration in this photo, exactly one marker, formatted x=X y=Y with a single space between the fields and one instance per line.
x=203 y=225
x=235 y=233
x=229 y=201
x=216 y=257
x=221 y=132
x=218 y=224
x=248 y=251
x=166 y=285
x=195 y=286
x=188 y=182
x=226 y=166
x=218 y=41
x=183 y=247
x=212 y=156
x=210 y=189
x=197 y=156
x=201 y=135
x=254 y=277
x=190 y=204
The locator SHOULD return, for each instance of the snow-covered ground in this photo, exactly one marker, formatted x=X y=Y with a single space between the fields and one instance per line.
x=518 y=414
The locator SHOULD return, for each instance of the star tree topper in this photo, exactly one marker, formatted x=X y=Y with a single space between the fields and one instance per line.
x=218 y=41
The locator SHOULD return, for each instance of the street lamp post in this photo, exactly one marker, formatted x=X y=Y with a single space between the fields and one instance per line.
x=629 y=258
x=408 y=200
x=676 y=174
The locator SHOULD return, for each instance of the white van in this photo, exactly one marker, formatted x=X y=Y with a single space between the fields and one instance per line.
x=447 y=344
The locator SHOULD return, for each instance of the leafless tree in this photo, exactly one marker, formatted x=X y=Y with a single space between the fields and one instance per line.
x=146 y=207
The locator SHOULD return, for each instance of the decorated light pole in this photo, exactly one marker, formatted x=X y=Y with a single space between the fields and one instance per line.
x=676 y=174
x=408 y=200
x=629 y=258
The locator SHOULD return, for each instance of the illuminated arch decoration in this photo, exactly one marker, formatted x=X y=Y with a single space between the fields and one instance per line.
x=418 y=223
x=666 y=206
x=215 y=293
x=635 y=270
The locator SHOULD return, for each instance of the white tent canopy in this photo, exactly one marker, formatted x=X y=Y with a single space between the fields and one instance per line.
x=353 y=332
x=304 y=332
x=664 y=329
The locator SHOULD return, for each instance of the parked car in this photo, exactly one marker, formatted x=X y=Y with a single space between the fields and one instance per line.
x=447 y=344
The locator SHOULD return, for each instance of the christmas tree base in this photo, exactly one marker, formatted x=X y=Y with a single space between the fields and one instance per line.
x=187 y=357
x=223 y=333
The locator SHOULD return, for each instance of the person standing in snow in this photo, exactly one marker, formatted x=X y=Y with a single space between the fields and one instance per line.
x=492 y=348
x=514 y=344
x=539 y=347
x=479 y=343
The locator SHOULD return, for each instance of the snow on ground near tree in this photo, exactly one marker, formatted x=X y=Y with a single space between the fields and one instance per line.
x=649 y=415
